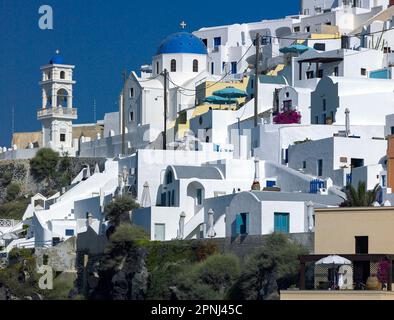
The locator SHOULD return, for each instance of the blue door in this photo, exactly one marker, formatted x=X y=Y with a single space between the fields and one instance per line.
x=242 y=224
x=281 y=222
x=234 y=67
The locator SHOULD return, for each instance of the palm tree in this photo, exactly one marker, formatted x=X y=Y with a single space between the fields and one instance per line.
x=360 y=197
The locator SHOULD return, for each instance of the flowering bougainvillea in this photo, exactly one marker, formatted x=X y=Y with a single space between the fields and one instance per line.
x=287 y=117
x=383 y=270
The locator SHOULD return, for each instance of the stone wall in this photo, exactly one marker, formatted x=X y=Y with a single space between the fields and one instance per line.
x=20 y=170
x=62 y=258
x=245 y=246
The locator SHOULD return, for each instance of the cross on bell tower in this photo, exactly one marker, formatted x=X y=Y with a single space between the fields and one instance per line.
x=183 y=24
x=57 y=113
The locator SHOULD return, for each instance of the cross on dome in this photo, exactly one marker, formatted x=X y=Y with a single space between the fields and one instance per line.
x=183 y=24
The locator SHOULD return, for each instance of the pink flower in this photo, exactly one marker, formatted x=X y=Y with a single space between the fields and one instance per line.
x=288 y=117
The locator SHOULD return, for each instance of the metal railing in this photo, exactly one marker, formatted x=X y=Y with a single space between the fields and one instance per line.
x=8 y=223
x=57 y=111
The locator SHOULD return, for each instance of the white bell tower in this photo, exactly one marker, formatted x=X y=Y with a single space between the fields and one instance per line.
x=57 y=113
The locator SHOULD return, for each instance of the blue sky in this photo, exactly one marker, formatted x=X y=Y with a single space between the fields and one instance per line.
x=100 y=38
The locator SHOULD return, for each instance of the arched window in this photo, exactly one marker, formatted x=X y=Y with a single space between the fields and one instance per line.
x=62 y=75
x=169 y=177
x=62 y=96
x=195 y=65
x=173 y=65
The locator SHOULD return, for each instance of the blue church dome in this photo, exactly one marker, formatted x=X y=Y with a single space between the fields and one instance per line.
x=57 y=59
x=182 y=42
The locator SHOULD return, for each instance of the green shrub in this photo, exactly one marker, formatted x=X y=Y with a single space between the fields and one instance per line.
x=118 y=210
x=5 y=178
x=12 y=192
x=44 y=164
x=208 y=280
x=128 y=233
x=219 y=271
x=14 y=209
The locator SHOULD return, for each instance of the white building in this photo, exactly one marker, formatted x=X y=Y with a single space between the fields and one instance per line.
x=369 y=100
x=337 y=157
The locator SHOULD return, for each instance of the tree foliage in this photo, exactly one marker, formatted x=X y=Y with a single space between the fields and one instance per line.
x=117 y=211
x=43 y=165
x=274 y=265
x=360 y=197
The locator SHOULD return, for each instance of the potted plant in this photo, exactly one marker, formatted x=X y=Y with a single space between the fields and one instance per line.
x=373 y=283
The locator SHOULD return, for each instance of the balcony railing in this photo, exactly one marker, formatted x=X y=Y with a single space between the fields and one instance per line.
x=58 y=111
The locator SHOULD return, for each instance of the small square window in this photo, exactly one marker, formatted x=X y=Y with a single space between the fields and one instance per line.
x=363 y=71
x=69 y=232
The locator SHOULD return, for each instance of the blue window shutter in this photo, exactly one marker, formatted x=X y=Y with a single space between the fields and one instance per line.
x=281 y=222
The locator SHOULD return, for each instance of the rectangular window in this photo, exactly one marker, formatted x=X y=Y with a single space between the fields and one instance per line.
x=69 y=232
x=363 y=71
x=317 y=119
x=169 y=198
x=336 y=72
x=324 y=118
x=319 y=46
x=281 y=222
x=223 y=65
x=199 y=197
x=324 y=105
x=296 y=29
x=234 y=67
x=131 y=116
x=287 y=105
x=160 y=232
x=205 y=41
x=392 y=130
x=320 y=167
x=217 y=41
x=270 y=183
x=303 y=164
x=320 y=73
x=309 y=74
x=242 y=224
x=62 y=137
x=212 y=68
x=173 y=198
x=131 y=94
x=361 y=245
x=332 y=116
